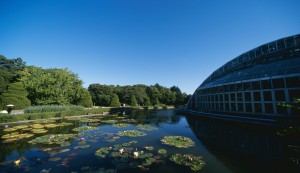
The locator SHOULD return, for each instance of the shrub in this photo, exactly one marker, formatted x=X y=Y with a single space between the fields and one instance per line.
x=52 y=108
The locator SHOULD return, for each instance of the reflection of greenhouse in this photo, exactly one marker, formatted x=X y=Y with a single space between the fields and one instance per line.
x=254 y=82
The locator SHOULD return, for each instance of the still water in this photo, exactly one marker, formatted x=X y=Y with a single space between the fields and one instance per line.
x=225 y=147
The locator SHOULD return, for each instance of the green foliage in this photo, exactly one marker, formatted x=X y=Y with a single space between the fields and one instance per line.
x=115 y=101
x=133 y=101
x=147 y=102
x=86 y=99
x=52 y=108
x=51 y=86
x=16 y=95
x=195 y=163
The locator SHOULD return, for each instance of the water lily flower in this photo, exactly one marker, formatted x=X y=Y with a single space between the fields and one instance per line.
x=121 y=151
x=136 y=154
x=82 y=139
x=17 y=162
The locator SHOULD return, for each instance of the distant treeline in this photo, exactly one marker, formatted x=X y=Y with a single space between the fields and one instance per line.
x=24 y=86
x=141 y=95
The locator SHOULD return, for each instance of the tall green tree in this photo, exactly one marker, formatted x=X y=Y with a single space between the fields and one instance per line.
x=86 y=99
x=133 y=101
x=16 y=95
x=51 y=86
x=147 y=102
x=115 y=101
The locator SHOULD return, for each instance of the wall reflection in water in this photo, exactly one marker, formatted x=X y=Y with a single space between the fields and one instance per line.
x=257 y=148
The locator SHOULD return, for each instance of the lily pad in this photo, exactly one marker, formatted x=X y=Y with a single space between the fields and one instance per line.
x=131 y=133
x=45 y=121
x=178 y=141
x=37 y=126
x=63 y=124
x=84 y=128
x=146 y=127
x=121 y=125
x=21 y=127
x=11 y=129
x=102 y=152
x=109 y=121
x=51 y=125
x=53 y=139
x=88 y=120
x=194 y=162
x=162 y=151
x=39 y=131
x=15 y=136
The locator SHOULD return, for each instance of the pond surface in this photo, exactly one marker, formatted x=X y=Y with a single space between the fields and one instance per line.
x=137 y=142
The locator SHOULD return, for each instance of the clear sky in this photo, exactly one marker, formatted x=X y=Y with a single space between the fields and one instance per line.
x=129 y=42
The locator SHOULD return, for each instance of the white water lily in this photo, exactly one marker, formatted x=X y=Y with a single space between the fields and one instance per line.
x=121 y=150
x=136 y=154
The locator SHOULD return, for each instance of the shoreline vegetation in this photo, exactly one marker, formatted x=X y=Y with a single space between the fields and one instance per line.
x=60 y=112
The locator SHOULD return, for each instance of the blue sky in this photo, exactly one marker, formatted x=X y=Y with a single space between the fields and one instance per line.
x=129 y=42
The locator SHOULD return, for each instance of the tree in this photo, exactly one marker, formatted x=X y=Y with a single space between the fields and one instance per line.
x=133 y=101
x=147 y=102
x=51 y=86
x=115 y=101
x=86 y=99
x=101 y=94
x=16 y=95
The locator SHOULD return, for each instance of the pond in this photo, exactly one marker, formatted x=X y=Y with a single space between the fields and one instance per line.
x=137 y=141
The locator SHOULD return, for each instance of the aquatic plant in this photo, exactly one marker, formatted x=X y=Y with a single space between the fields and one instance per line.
x=194 y=162
x=146 y=127
x=51 y=125
x=63 y=124
x=162 y=151
x=178 y=141
x=37 y=126
x=52 y=139
x=289 y=131
x=84 y=128
x=39 y=131
x=88 y=120
x=109 y=121
x=102 y=152
x=11 y=137
x=10 y=129
x=120 y=125
x=131 y=133
x=45 y=121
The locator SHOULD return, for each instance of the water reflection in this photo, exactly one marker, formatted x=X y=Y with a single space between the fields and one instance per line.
x=258 y=148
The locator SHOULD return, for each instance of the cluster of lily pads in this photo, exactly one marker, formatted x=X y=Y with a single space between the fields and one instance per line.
x=178 y=141
x=84 y=128
x=196 y=163
x=146 y=127
x=131 y=133
x=53 y=139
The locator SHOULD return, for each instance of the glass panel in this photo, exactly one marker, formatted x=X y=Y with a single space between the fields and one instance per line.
x=240 y=107
x=239 y=97
x=279 y=95
x=221 y=97
x=297 y=38
x=281 y=110
x=267 y=96
x=216 y=98
x=272 y=47
x=221 y=106
x=252 y=55
x=278 y=83
x=266 y=84
x=226 y=106
x=233 y=107
x=217 y=106
x=246 y=86
x=247 y=96
x=256 y=96
x=293 y=82
x=258 y=51
x=265 y=49
x=248 y=107
x=294 y=94
x=280 y=44
x=232 y=88
x=289 y=42
x=232 y=97
x=258 y=107
x=239 y=87
x=268 y=107
x=256 y=85
x=226 y=98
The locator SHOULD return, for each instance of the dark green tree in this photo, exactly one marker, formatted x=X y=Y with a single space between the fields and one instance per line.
x=51 y=86
x=115 y=101
x=86 y=99
x=133 y=101
x=147 y=102
x=16 y=95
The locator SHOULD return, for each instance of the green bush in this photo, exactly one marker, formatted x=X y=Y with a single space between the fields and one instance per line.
x=52 y=108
